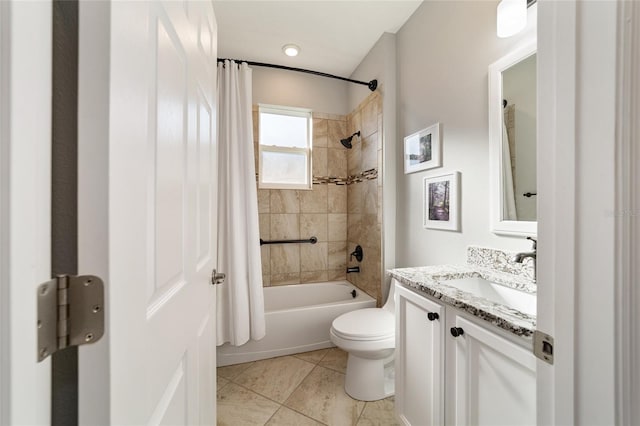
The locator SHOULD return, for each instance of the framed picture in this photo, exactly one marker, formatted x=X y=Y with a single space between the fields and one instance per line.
x=423 y=150
x=442 y=201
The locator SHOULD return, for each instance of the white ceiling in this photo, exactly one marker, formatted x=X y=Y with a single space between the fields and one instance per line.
x=334 y=35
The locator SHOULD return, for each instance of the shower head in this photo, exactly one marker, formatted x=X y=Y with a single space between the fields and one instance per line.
x=346 y=142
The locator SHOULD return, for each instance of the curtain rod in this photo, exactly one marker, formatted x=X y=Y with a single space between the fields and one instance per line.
x=372 y=85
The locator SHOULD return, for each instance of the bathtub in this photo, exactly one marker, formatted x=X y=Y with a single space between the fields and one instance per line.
x=298 y=318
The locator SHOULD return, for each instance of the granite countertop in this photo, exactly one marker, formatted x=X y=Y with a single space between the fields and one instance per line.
x=432 y=280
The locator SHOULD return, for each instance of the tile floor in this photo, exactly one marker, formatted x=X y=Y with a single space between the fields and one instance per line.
x=297 y=390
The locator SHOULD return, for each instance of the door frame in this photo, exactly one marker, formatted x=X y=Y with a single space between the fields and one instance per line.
x=627 y=214
x=25 y=205
x=588 y=211
x=94 y=26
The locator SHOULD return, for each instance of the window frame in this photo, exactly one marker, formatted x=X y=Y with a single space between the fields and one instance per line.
x=308 y=151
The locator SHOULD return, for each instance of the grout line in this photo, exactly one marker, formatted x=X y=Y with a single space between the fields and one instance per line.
x=294 y=391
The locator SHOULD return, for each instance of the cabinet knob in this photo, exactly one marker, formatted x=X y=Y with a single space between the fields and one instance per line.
x=432 y=316
x=456 y=331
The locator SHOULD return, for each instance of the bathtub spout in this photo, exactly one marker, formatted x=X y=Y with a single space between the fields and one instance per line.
x=353 y=269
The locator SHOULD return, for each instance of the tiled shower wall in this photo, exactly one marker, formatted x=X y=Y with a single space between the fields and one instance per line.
x=300 y=214
x=341 y=216
x=364 y=196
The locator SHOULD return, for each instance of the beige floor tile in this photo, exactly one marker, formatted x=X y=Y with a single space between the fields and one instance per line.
x=335 y=359
x=275 y=378
x=287 y=417
x=313 y=356
x=379 y=413
x=230 y=372
x=220 y=383
x=321 y=396
x=239 y=406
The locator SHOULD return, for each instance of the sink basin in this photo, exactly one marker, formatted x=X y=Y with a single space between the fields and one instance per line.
x=516 y=299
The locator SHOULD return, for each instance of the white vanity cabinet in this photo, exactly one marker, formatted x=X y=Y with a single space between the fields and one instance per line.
x=419 y=359
x=481 y=377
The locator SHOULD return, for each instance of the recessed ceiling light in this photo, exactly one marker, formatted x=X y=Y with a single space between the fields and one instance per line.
x=291 y=49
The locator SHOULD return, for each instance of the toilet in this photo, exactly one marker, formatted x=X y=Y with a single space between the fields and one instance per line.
x=368 y=336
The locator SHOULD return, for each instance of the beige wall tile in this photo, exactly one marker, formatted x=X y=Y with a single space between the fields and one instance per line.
x=337 y=256
x=337 y=162
x=337 y=227
x=355 y=123
x=379 y=203
x=328 y=116
x=285 y=279
x=380 y=134
x=284 y=201
x=314 y=224
x=285 y=227
x=369 y=158
x=320 y=162
x=265 y=225
x=265 y=257
x=320 y=132
x=370 y=231
x=264 y=203
x=354 y=158
x=337 y=275
x=369 y=196
x=313 y=257
x=256 y=134
x=354 y=224
x=337 y=198
x=354 y=198
x=314 y=201
x=313 y=277
x=380 y=167
x=337 y=131
x=285 y=258
x=266 y=280
x=369 y=118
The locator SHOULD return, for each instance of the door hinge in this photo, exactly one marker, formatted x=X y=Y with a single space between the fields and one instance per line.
x=543 y=346
x=70 y=313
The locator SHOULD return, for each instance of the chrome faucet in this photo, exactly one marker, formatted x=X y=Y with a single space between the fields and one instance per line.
x=520 y=257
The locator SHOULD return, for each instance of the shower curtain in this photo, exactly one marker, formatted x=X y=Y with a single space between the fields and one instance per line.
x=240 y=299
x=508 y=195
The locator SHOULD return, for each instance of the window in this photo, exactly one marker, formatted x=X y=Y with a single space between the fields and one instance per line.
x=285 y=147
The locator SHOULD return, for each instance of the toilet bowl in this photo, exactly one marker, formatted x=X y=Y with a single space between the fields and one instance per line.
x=368 y=336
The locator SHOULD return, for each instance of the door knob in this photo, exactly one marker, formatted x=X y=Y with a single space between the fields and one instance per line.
x=217 y=277
x=432 y=316
x=456 y=331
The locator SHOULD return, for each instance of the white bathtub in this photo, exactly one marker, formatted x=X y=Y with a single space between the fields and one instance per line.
x=298 y=318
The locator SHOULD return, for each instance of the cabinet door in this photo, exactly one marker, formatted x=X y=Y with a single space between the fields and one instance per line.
x=495 y=379
x=419 y=359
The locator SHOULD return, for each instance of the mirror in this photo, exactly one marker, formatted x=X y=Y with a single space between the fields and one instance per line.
x=512 y=131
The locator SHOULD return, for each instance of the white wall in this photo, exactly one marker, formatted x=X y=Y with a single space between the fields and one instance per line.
x=443 y=53
x=290 y=88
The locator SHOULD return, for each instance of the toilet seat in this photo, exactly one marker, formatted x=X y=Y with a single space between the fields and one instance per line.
x=371 y=324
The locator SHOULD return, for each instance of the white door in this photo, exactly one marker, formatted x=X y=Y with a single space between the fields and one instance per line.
x=147 y=207
x=25 y=206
